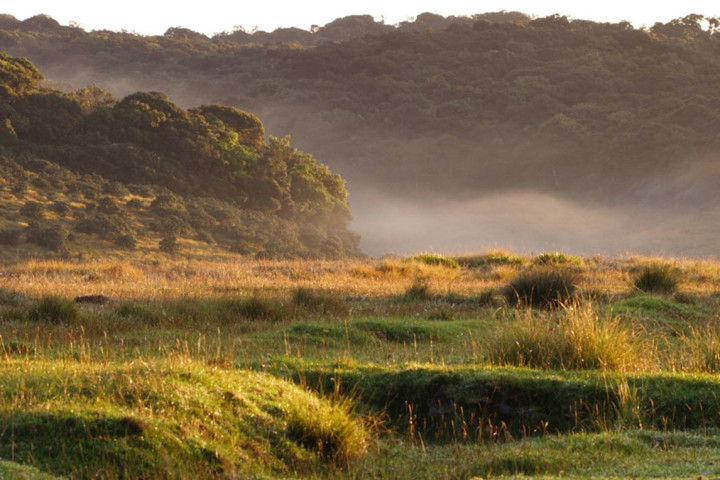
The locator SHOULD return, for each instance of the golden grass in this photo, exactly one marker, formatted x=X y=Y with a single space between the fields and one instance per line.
x=161 y=277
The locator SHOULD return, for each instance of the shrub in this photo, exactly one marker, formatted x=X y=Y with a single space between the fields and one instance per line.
x=432 y=259
x=657 y=278
x=108 y=206
x=541 y=287
x=557 y=258
x=115 y=188
x=127 y=240
x=54 y=237
x=10 y=236
x=205 y=237
x=53 y=310
x=168 y=244
x=33 y=209
x=106 y=226
x=135 y=204
x=60 y=207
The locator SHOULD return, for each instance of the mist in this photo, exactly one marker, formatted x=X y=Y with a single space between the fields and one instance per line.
x=528 y=222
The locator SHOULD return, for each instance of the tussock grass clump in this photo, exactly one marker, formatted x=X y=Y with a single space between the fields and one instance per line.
x=657 y=278
x=419 y=291
x=489 y=259
x=256 y=308
x=318 y=301
x=435 y=259
x=702 y=345
x=53 y=309
x=557 y=258
x=576 y=337
x=542 y=287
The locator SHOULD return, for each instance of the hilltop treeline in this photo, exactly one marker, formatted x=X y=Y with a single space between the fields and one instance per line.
x=140 y=168
x=452 y=105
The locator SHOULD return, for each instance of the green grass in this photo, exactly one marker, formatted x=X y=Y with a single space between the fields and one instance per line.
x=434 y=259
x=631 y=454
x=15 y=471
x=557 y=258
x=310 y=381
x=160 y=419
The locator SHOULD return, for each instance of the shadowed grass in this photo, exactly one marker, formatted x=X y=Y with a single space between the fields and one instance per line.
x=657 y=278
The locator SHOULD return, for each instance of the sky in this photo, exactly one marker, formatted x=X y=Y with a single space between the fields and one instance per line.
x=150 y=17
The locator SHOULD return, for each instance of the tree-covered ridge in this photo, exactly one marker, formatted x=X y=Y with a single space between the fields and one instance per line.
x=144 y=167
x=455 y=106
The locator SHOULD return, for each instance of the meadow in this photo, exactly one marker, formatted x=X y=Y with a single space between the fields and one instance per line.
x=473 y=366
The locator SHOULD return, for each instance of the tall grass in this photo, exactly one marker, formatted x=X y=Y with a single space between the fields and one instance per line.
x=576 y=337
x=657 y=278
x=542 y=287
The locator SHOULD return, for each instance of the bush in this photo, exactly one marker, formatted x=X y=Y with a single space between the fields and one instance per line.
x=33 y=209
x=135 y=204
x=169 y=244
x=657 y=278
x=10 y=236
x=54 y=310
x=541 y=287
x=61 y=208
x=106 y=226
x=54 y=237
x=128 y=241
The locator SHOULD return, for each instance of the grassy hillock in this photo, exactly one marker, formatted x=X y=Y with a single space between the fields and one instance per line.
x=171 y=419
x=86 y=173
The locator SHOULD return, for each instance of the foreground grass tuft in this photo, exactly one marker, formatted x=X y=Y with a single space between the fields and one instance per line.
x=576 y=337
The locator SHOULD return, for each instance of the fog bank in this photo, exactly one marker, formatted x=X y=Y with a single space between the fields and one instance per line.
x=528 y=222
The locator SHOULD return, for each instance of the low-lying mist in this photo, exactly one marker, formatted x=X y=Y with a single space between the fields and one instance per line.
x=529 y=222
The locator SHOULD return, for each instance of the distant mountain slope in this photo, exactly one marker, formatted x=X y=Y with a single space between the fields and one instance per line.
x=86 y=172
x=440 y=108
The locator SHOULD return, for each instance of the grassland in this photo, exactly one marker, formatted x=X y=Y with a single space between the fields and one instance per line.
x=414 y=367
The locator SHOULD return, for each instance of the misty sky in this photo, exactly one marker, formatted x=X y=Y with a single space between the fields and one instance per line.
x=213 y=16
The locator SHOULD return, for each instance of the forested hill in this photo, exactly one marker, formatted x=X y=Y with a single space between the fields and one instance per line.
x=462 y=108
x=456 y=105
x=87 y=172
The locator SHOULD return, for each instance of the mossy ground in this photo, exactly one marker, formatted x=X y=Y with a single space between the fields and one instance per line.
x=330 y=369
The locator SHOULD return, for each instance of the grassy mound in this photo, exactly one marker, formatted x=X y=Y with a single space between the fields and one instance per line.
x=167 y=419
x=486 y=403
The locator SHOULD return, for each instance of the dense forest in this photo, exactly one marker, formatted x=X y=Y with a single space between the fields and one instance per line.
x=457 y=108
x=85 y=168
x=442 y=105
